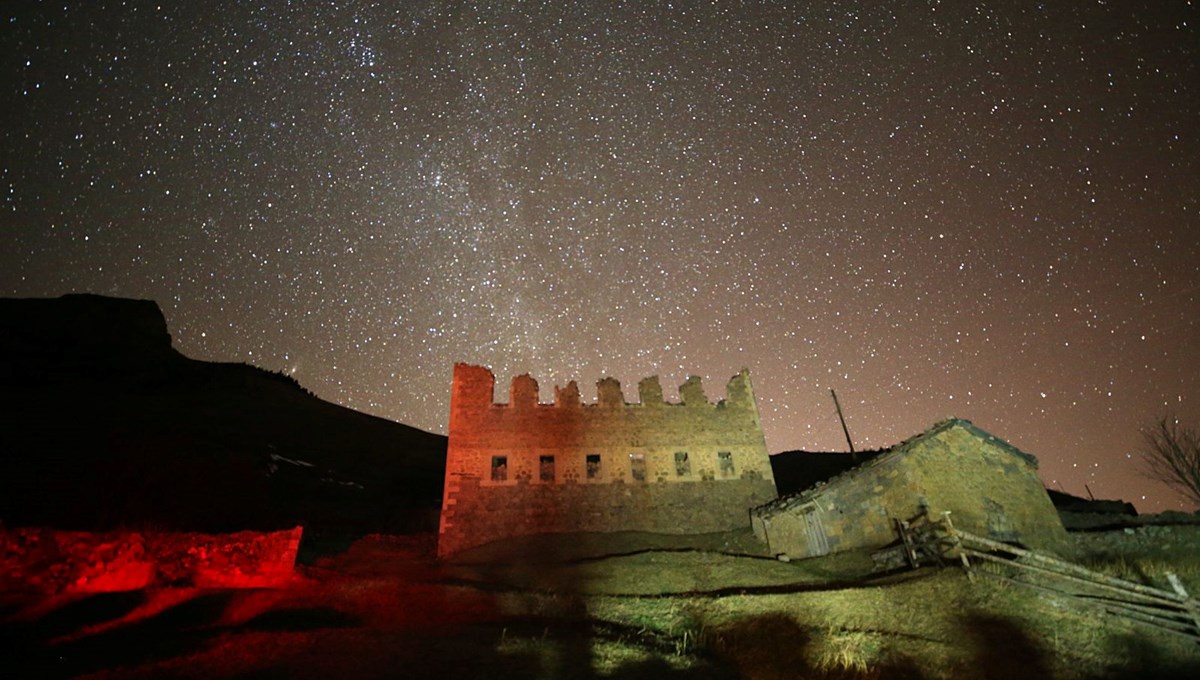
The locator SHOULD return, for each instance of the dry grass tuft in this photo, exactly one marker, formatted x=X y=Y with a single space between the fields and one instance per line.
x=846 y=651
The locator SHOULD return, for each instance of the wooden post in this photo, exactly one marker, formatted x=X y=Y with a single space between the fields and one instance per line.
x=1101 y=605
x=1193 y=611
x=1068 y=569
x=910 y=552
x=956 y=544
x=845 y=430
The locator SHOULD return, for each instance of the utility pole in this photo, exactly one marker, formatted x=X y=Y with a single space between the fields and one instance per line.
x=845 y=430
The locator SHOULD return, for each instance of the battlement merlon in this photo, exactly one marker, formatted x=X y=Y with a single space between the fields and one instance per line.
x=567 y=397
x=650 y=391
x=739 y=391
x=523 y=392
x=739 y=394
x=474 y=388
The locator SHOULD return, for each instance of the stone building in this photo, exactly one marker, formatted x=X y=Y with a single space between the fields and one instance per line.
x=990 y=488
x=526 y=467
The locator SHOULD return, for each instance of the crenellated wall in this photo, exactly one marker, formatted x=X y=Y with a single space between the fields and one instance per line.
x=526 y=467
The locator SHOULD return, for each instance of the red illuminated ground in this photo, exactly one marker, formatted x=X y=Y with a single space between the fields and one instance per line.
x=634 y=606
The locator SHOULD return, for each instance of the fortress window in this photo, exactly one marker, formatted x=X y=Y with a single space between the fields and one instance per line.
x=499 y=468
x=637 y=466
x=725 y=463
x=546 y=468
x=593 y=466
x=683 y=466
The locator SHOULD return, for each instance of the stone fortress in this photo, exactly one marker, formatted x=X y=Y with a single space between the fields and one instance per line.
x=526 y=467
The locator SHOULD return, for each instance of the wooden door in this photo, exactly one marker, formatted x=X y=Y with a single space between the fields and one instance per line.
x=818 y=543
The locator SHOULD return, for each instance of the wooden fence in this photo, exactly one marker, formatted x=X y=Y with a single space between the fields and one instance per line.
x=935 y=541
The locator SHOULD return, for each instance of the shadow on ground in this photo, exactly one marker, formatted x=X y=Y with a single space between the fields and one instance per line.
x=384 y=608
x=178 y=630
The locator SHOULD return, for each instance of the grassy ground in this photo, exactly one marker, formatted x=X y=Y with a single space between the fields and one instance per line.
x=614 y=606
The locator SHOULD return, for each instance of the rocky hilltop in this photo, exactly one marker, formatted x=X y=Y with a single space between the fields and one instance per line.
x=104 y=424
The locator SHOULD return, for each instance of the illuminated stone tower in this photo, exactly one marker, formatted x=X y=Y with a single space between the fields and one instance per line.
x=525 y=467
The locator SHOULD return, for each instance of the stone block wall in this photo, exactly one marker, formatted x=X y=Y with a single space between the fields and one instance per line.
x=990 y=489
x=526 y=467
x=852 y=511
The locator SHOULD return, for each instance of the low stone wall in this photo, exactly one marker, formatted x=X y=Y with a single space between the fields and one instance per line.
x=1137 y=540
x=51 y=562
x=482 y=515
x=1107 y=521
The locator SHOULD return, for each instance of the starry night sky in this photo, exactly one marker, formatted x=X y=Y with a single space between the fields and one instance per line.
x=985 y=210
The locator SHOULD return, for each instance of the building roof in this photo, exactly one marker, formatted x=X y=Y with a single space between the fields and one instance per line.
x=798 y=470
x=788 y=502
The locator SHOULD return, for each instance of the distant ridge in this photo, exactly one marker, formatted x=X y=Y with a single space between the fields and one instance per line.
x=798 y=470
x=103 y=424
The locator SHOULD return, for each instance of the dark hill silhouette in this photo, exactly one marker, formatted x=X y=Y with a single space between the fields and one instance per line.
x=104 y=424
x=1066 y=502
x=798 y=470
